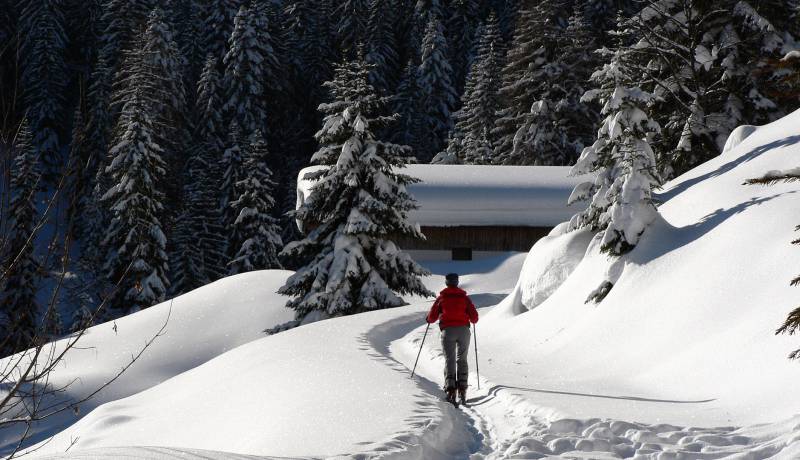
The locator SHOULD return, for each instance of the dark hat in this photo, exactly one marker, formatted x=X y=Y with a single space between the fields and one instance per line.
x=451 y=279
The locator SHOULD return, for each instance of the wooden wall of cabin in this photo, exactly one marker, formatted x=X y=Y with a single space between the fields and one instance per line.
x=478 y=238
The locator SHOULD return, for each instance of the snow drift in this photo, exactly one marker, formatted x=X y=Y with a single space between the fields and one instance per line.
x=693 y=308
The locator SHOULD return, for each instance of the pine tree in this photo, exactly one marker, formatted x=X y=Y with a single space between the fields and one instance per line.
x=136 y=243
x=461 y=28
x=199 y=237
x=19 y=271
x=351 y=25
x=98 y=132
x=123 y=21
x=218 y=26
x=554 y=131
x=349 y=263
x=409 y=107
x=381 y=46
x=471 y=141
x=533 y=48
x=255 y=237
x=706 y=63
x=249 y=64
x=44 y=72
x=231 y=173
x=621 y=195
x=439 y=95
x=792 y=323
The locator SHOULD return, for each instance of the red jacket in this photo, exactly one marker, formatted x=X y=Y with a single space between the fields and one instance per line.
x=453 y=308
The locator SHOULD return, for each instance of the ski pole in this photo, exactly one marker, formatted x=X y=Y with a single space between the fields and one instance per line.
x=420 y=350
x=477 y=369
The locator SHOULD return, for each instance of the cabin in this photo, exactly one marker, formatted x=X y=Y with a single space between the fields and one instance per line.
x=473 y=211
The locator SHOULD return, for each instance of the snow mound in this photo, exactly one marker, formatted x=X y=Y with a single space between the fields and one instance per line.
x=692 y=310
x=737 y=136
x=198 y=326
x=323 y=389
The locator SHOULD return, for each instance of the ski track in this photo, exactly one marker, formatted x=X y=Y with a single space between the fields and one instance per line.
x=501 y=423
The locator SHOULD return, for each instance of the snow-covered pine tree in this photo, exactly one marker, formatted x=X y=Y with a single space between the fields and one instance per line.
x=98 y=131
x=19 y=268
x=349 y=262
x=249 y=65
x=136 y=243
x=621 y=195
x=461 y=30
x=555 y=130
x=792 y=323
x=231 y=173
x=123 y=21
x=352 y=16
x=471 y=141
x=199 y=237
x=218 y=26
x=706 y=63
x=255 y=236
x=408 y=104
x=525 y=75
x=439 y=95
x=381 y=45
x=44 y=76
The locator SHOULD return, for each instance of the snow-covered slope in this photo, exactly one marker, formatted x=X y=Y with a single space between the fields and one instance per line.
x=197 y=326
x=322 y=389
x=689 y=322
x=678 y=361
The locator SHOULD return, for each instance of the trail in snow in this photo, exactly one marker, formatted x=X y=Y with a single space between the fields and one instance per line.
x=502 y=422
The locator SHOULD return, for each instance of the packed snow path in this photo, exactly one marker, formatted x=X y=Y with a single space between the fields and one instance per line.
x=505 y=422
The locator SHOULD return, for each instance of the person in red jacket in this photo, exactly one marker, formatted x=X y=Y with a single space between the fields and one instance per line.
x=455 y=311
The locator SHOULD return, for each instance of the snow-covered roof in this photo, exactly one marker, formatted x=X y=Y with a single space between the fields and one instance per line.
x=473 y=195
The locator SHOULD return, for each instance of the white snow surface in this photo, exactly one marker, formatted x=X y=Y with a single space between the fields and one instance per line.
x=737 y=136
x=679 y=361
x=455 y=195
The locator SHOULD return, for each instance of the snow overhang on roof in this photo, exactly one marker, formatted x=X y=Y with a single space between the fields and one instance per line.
x=476 y=195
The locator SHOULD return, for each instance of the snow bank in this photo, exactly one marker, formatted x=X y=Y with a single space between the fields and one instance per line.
x=452 y=195
x=199 y=325
x=686 y=334
x=318 y=390
x=737 y=136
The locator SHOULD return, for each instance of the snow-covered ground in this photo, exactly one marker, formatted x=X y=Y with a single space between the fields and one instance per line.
x=678 y=361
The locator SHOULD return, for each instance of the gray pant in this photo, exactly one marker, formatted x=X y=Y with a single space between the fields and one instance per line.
x=455 y=345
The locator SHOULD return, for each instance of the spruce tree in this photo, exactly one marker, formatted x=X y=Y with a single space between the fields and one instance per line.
x=408 y=104
x=621 y=204
x=19 y=270
x=136 y=243
x=255 y=236
x=532 y=50
x=707 y=63
x=439 y=95
x=98 y=132
x=792 y=323
x=351 y=25
x=231 y=173
x=249 y=64
x=381 y=46
x=199 y=236
x=218 y=26
x=123 y=21
x=44 y=76
x=554 y=131
x=461 y=29
x=349 y=263
x=471 y=141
